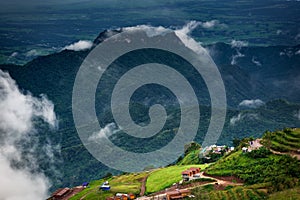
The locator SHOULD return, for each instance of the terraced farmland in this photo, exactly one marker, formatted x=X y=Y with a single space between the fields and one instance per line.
x=287 y=140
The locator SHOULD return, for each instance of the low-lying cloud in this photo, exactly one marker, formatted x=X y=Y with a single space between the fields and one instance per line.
x=237 y=45
x=189 y=42
x=81 y=45
x=235 y=57
x=32 y=53
x=105 y=132
x=212 y=24
x=182 y=33
x=20 y=175
x=243 y=116
x=256 y=62
x=253 y=103
x=151 y=31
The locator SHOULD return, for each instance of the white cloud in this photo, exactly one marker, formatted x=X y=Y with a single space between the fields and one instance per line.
x=182 y=33
x=278 y=32
x=189 y=42
x=287 y=52
x=242 y=116
x=17 y=116
x=256 y=62
x=188 y=28
x=105 y=132
x=297 y=52
x=14 y=54
x=281 y=53
x=235 y=57
x=150 y=30
x=212 y=24
x=238 y=44
x=32 y=53
x=81 y=45
x=252 y=103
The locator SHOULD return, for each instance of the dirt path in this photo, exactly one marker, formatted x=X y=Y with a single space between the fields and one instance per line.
x=220 y=181
x=282 y=153
x=288 y=153
x=143 y=186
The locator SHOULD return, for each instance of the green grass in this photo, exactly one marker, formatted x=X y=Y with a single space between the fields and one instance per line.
x=128 y=183
x=191 y=158
x=166 y=177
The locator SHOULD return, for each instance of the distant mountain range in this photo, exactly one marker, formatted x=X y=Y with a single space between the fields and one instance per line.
x=262 y=86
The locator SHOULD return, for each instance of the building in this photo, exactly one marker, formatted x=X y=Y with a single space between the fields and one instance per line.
x=186 y=175
x=178 y=194
x=60 y=194
x=190 y=174
x=120 y=196
x=105 y=186
x=195 y=170
x=85 y=184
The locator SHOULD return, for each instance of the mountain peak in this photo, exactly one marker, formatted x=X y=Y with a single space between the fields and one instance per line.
x=105 y=34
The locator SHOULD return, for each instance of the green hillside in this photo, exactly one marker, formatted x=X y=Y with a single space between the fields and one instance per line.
x=276 y=170
x=157 y=180
x=127 y=183
x=163 y=178
x=287 y=140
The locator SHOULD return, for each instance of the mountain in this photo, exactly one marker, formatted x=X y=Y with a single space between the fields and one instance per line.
x=264 y=73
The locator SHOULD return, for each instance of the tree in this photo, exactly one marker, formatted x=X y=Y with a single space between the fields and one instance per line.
x=191 y=147
x=236 y=142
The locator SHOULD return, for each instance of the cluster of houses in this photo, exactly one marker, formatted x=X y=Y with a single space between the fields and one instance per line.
x=120 y=196
x=191 y=174
x=214 y=149
x=253 y=145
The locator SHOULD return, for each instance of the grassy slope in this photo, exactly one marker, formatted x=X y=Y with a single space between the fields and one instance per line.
x=165 y=177
x=131 y=183
x=128 y=183
x=191 y=158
